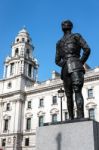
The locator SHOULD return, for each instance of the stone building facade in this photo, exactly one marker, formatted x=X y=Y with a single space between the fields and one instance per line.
x=26 y=103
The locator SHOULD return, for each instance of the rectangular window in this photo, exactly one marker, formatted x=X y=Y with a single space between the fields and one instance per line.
x=29 y=104
x=6 y=71
x=23 y=39
x=3 y=142
x=16 y=51
x=35 y=73
x=5 y=124
x=27 y=53
x=12 y=69
x=26 y=141
x=90 y=93
x=8 y=107
x=54 y=100
x=41 y=121
x=29 y=70
x=41 y=102
x=28 y=124
x=66 y=115
x=91 y=114
x=54 y=118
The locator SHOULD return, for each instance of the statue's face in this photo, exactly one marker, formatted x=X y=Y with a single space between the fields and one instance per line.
x=67 y=25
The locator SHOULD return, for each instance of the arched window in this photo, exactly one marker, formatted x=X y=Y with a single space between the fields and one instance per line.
x=3 y=142
x=54 y=118
x=92 y=113
x=41 y=102
x=30 y=70
x=12 y=69
x=28 y=123
x=27 y=53
x=26 y=141
x=23 y=39
x=28 y=41
x=6 y=71
x=54 y=100
x=41 y=121
x=9 y=85
x=16 y=51
x=90 y=93
x=17 y=40
x=66 y=115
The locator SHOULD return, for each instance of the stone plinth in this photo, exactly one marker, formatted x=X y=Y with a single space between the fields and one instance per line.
x=75 y=135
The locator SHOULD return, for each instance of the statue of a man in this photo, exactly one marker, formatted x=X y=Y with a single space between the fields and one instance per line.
x=68 y=50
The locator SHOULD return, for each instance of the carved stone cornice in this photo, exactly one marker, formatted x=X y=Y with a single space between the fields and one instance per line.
x=91 y=78
x=10 y=134
x=10 y=94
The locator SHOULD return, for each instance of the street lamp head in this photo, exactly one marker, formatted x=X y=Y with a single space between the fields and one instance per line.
x=60 y=93
x=14 y=137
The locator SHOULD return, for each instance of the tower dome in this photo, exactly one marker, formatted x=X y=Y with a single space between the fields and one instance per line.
x=23 y=36
x=23 y=31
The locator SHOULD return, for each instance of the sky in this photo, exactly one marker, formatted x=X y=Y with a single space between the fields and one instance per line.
x=43 y=18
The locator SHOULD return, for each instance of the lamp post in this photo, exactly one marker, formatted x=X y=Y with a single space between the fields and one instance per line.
x=61 y=95
x=14 y=141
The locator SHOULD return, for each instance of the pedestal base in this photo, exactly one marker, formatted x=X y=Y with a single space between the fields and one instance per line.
x=75 y=135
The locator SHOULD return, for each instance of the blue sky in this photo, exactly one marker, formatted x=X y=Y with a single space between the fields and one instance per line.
x=42 y=19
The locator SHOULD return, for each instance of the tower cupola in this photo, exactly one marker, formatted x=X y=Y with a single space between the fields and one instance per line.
x=22 y=45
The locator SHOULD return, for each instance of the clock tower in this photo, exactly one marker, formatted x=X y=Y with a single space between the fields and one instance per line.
x=21 y=62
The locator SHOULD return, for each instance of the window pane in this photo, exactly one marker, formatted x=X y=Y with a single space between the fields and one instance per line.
x=91 y=114
x=29 y=104
x=6 y=71
x=41 y=102
x=12 y=69
x=6 y=125
x=8 y=106
x=23 y=39
x=41 y=121
x=28 y=40
x=16 y=51
x=66 y=115
x=54 y=99
x=28 y=125
x=90 y=93
x=54 y=118
x=17 y=40
x=3 y=142
x=27 y=142
x=27 y=53
x=29 y=70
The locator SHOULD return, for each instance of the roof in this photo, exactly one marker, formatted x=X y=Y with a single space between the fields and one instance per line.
x=24 y=31
x=87 y=67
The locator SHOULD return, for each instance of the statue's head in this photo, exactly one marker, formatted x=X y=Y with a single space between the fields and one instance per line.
x=67 y=25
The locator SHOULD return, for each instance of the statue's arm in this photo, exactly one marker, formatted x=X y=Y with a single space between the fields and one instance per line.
x=58 y=60
x=85 y=47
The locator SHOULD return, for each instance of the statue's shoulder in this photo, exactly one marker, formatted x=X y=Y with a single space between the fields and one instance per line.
x=77 y=36
x=59 y=42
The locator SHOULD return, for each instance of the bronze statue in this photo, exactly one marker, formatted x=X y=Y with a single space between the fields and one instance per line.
x=68 y=50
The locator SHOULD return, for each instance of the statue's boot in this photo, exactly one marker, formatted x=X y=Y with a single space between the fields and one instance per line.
x=80 y=113
x=80 y=105
x=70 y=106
